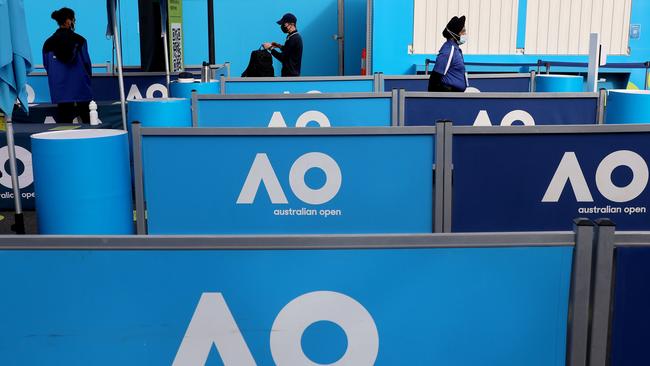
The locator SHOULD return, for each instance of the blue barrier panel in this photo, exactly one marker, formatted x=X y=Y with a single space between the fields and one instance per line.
x=303 y=110
x=391 y=306
x=106 y=88
x=631 y=320
x=424 y=109
x=288 y=180
x=510 y=180
x=347 y=84
x=488 y=83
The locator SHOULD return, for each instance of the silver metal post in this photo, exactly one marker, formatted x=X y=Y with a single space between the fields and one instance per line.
x=340 y=36
x=120 y=75
x=578 y=327
x=166 y=52
x=13 y=170
x=601 y=303
x=19 y=226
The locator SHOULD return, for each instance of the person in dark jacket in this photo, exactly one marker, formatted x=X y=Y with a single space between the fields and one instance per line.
x=291 y=55
x=449 y=73
x=68 y=66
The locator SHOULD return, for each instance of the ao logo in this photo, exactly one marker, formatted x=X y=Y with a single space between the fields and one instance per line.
x=277 y=120
x=483 y=119
x=24 y=179
x=213 y=323
x=262 y=172
x=569 y=171
x=134 y=92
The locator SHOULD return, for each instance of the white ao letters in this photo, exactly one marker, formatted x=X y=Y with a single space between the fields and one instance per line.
x=262 y=172
x=569 y=170
x=213 y=323
x=483 y=119
x=277 y=120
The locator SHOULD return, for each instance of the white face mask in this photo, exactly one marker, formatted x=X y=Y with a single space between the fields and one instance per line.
x=462 y=40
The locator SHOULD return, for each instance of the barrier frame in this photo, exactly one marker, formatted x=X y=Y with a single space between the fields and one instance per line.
x=406 y=94
x=580 y=239
x=530 y=75
x=139 y=132
x=374 y=78
x=202 y=97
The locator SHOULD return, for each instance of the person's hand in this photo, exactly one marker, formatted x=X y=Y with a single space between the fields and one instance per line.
x=267 y=45
x=276 y=45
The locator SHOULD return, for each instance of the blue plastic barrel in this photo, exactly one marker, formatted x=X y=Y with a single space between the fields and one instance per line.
x=82 y=182
x=160 y=112
x=184 y=90
x=627 y=106
x=559 y=83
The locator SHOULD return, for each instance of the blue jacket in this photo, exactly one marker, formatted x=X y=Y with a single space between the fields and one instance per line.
x=451 y=65
x=68 y=66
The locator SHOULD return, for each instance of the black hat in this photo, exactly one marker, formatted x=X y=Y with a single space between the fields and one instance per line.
x=455 y=26
x=288 y=18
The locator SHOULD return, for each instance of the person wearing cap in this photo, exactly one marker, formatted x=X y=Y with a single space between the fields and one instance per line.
x=449 y=74
x=68 y=66
x=291 y=55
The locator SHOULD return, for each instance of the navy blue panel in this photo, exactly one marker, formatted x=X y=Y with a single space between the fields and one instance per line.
x=464 y=111
x=631 y=325
x=500 y=181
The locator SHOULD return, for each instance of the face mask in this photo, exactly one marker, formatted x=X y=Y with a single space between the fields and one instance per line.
x=462 y=40
x=284 y=28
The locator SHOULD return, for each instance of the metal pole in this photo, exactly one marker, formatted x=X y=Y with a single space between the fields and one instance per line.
x=164 y=22
x=340 y=37
x=211 y=54
x=19 y=226
x=120 y=75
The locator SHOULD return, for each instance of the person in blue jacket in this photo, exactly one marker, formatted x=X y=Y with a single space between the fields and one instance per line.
x=68 y=66
x=449 y=74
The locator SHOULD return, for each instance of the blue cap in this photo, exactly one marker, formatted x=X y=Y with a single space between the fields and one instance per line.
x=288 y=18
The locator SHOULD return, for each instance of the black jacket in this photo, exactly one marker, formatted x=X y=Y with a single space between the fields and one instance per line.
x=291 y=55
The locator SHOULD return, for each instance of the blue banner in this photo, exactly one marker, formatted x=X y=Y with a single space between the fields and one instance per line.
x=284 y=112
x=485 y=85
x=477 y=111
x=289 y=184
x=460 y=307
x=281 y=86
x=631 y=319
x=527 y=182
x=106 y=87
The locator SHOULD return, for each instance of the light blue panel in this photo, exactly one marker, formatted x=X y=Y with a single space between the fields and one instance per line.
x=386 y=184
x=184 y=90
x=195 y=30
x=355 y=34
x=627 y=106
x=340 y=112
x=236 y=36
x=521 y=23
x=559 y=83
x=160 y=112
x=284 y=87
x=40 y=87
x=91 y=24
x=463 y=307
x=392 y=34
x=82 y=182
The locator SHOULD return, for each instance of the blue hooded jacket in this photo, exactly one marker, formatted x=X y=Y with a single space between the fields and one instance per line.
x=68 y=66
x=451 y=65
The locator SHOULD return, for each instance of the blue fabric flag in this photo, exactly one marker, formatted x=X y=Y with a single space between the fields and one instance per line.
x=111 y=9
x=15 y=55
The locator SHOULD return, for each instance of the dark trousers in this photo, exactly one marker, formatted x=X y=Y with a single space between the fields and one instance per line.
x=436 y=84
x=66 y=112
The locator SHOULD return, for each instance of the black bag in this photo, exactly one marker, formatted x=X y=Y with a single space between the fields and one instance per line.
x=260 y=64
